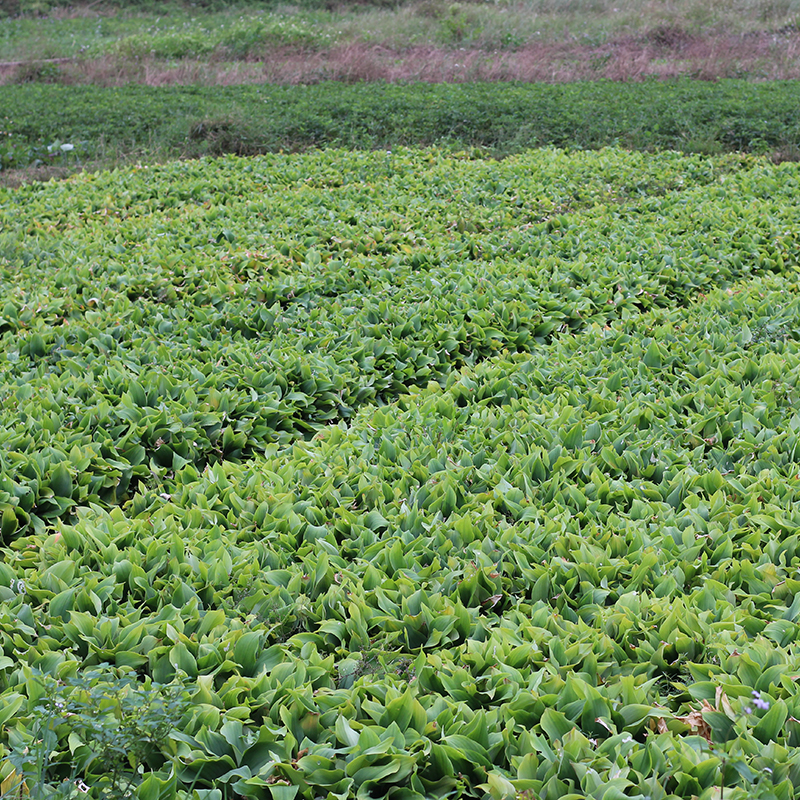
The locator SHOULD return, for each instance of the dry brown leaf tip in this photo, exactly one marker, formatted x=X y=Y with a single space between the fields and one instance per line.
x=694 y=720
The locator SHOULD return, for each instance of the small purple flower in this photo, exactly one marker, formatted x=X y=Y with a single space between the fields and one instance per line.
x=748 y=710
x=758 y=702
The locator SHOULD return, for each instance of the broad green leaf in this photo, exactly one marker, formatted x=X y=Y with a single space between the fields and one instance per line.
x=555 y=724
x=61 y=481
x=770 y=725
x=246 y=651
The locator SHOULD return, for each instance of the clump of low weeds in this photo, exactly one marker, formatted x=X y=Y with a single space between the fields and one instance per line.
x=726 y=733
x=95 y=734
x=377 y=664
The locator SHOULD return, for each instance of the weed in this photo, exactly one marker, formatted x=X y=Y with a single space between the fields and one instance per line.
x=375 y=664
x=456 y=25
x=97 y=729
x=36 y=72
x=786 y=153
x=223 y=135
x=669 y=37
x=704 y=145
x=722 y=735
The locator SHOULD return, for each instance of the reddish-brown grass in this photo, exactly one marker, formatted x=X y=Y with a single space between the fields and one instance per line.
x=661 y=53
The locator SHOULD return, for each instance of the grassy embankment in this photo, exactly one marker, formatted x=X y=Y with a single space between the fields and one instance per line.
x=432 y=40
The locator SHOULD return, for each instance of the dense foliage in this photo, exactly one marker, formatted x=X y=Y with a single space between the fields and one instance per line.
x=402 y=475
x=682 y=115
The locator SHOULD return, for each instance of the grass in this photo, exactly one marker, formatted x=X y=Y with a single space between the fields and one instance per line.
x=709 y=58
x=485 y=25
x=534 y=40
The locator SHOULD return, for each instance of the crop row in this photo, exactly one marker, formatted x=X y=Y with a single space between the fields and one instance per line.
x=165 y=324
x=526 y=579
x=192 y=120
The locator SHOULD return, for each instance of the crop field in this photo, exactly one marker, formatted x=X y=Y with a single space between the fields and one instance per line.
x=406 y=474
x=72 y=126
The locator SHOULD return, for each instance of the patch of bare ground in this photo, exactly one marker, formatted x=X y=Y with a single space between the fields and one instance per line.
x=663 y=52
x=14 y=178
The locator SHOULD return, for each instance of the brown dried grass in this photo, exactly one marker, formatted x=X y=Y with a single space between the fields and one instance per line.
x=662 y=53
x=81 y=11
x=666 y=50
x=14 y=178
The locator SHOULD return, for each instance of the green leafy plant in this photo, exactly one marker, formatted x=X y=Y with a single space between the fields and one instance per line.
x=735 y=742
x=711 y=118
x=94 y=731
x=409 y=474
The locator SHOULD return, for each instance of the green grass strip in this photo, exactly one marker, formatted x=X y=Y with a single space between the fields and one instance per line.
x=191 y=121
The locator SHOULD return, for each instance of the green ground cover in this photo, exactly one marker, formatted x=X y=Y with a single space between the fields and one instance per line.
x=505 y=118
x=42 y=28
x=404 y=474
x=178 y=33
